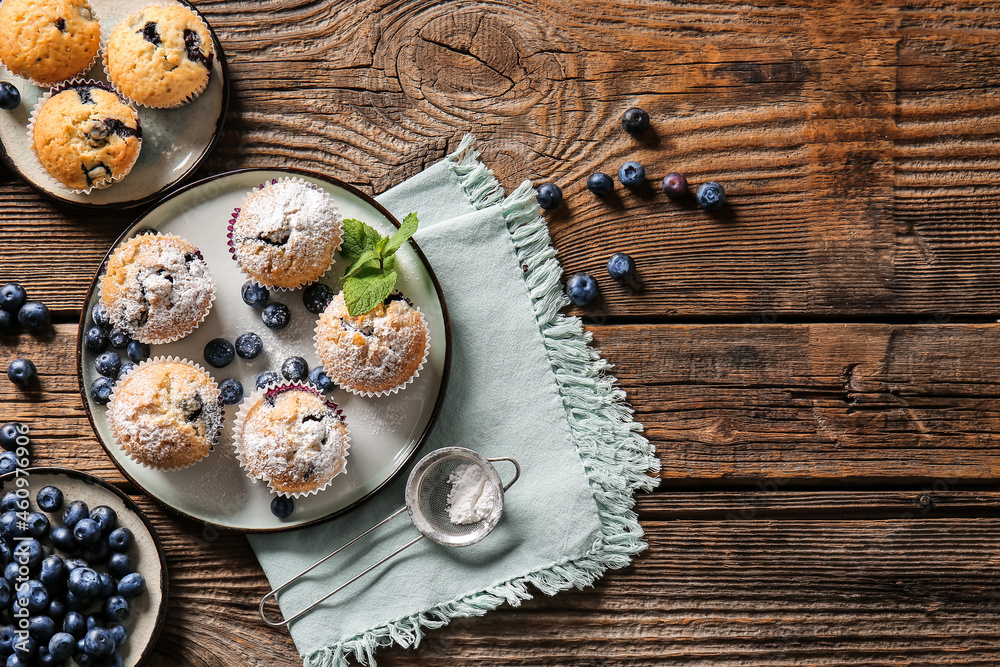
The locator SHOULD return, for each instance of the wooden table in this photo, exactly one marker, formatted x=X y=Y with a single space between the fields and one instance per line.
x=817 y=368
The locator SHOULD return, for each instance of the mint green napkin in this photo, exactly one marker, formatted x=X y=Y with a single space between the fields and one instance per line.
x=524 y=383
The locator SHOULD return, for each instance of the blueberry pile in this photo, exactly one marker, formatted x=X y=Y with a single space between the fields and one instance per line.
x=68 y=582
x=108 y=363
x=33 y=317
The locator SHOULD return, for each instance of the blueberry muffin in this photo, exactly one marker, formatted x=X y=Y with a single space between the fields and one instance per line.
x=160 y=57
x=292 y=438
x=86 y=137
x=375 y=353
x=285 y=233
x=48 y=41
x=166 y=413
x=157 y=287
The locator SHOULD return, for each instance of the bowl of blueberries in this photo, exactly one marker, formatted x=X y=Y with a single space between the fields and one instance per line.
x=84 y=580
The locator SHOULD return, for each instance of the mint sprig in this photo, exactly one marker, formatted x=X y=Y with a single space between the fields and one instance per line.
x=371 y=276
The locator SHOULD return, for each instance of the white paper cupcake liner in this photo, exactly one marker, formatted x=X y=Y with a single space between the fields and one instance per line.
x=149 y=362
x=255 y=190
x=72 y=77
x=73 y=83
x=176 y=105
x=344 y=384
x=182 y=333
x=259 y=395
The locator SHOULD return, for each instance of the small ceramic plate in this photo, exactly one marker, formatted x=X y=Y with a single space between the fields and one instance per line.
x=386 y=432
x=149 y=609
x=174 y=141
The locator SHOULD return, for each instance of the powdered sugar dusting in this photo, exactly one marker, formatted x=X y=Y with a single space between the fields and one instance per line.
x=284 y=235
x=157 y=287
x=472 y=497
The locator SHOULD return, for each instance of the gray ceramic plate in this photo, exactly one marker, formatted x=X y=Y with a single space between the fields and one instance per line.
x=174 y=141
x=386 y=431
x=149 y=609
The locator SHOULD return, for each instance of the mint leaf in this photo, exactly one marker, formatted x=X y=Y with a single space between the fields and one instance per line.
x=363 y=294
x=389 y=263
x=403 y=234
x=360 y=262
x=358 y=238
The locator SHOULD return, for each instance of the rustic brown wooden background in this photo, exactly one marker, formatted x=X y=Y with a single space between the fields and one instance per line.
x=817 y=368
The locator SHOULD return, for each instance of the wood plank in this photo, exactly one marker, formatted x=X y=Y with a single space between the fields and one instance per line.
x=856 y=140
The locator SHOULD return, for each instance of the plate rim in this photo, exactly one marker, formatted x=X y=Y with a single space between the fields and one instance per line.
x=435 y=412
x=153 y=196
x=161 y=613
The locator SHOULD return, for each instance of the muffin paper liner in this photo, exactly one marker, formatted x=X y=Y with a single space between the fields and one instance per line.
x=74 y=83
x=343 y=384
x=236 y=212
x=158 y=360
x=78 y=75
x=277 y=388
x=184 y=332
x=176 y=105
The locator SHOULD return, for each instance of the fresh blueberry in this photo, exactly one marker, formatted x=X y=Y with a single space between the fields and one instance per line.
x=317 y=297
x=86 y=532
x=282 y=507
x=21 y=372
x=9 y=435
x=97 y=552
x=581 y=288
x=95 y=340
x=101 y=316
x=29 y=552
x=600 y=184
x=254 y=295
x=127 y=367
x=57 y=610
x=295 y=369
x=710 y=195
x=25 y=649
x=121 y=539
x=100 y=390
x=8 y=635
x=10 y=97
x=119 y=338
x=61 y=645
x=94 y=621
x=81 y=658
x=74 y=512
x=219 y=353
x=276 y=315
x=549 y=195
x=116 y=608
x=62 y=539
x=230 y=391
x=635 y=121
x=49 y=499
x=74 y=563
x=53 y=573
x=34 y=316
x=83 y=582
x=264 y=379
x=632 y=175
x=249 y=345
x=11 y=572
x=11 y=525
x=8 y=462
x=38 y=525
x=108 y=585
x=6 y=593
x=137 y=351
x=108 y=364
x=12 y=297
x=621 y=267
x=35 y=594
x=105 y=517
x=11 y=502
x=119 y=632
x=119 y=565
x=41 y=628
x=99 y=642
x=75 y=624
x=319 y=378
x=6 y=322
x=131 y=585
x=675 y=185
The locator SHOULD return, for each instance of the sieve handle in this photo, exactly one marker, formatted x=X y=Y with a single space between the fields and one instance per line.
x=517 y=469
x=277 y=623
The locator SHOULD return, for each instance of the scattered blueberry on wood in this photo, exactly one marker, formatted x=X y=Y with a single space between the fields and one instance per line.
x=600 y=184
x=635 y=120
x=549 y=196
x=632 y=175
x=675 y=185
x=581 y=289
x=22 y=372
x=621 y=267
x=710 y=195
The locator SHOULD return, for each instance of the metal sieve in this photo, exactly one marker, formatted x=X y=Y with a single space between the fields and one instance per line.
x=427 y=490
